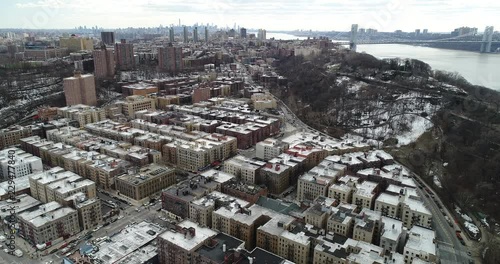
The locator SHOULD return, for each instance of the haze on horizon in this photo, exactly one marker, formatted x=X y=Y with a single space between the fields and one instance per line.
x=322 y=15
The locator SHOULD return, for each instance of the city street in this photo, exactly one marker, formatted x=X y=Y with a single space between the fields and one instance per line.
x=449 y=248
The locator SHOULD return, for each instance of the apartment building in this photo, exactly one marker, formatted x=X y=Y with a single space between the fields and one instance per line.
x=241 y=222
x=278 y=236
x=104 y=63
x=364 y=229
x=420 y=245
x=47 y=223
x=176 y=199
x=88 y=209
x=313 y=155
x=222 y=248
x=270 y=148
x=263 y=101
x=200 y=211
x=179 y=245
x=75 y=43
x=403 y=203
x=341 y=221
x=244 y=168
x=80 y=89
x=343 y=190
x=15 y=163
x=124 y=56
x=364 y=195
x=393 y=235
x=200 y=153
x=136 y=103
x=275 y=176
x=148 y=180
x=330 y=252
x=57 y=184
x=83 y=114
x=245 y=191
x=99 y=168
x=318 y=213
x=331 y=145
x=389 y=205
x=11 y=136
x=311 y=186
x=134 y=244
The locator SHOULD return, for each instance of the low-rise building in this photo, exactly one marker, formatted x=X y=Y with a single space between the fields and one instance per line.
x=141 y=88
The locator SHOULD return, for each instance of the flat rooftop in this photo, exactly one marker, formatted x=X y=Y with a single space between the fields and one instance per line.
x=421 y=239
x=214 y=251
x=127 y=241
x=188 y=242
x=25 y=203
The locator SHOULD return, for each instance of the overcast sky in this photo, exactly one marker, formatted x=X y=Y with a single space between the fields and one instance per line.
x=384 y=15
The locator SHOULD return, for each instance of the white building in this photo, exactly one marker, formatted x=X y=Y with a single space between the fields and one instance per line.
x=23 y=164
x=270 y=148
x=420 y=244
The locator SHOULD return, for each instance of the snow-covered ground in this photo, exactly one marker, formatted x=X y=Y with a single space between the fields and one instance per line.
x=418 y=126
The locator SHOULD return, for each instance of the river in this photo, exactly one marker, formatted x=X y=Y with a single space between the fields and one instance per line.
x=477 y=68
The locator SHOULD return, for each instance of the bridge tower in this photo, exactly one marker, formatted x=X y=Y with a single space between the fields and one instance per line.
x=354 y=37
x=487 y=39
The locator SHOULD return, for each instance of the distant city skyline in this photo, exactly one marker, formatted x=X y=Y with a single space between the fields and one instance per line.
x=316 y=15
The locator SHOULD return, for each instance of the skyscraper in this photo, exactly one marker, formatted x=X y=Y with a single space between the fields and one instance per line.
x=243 y=33
x=80 y=89
x=124 y=56
x=261 y=34
x=206 y=34
x=170 y=59
x=186 y=39
x=104 y=63
x=108 y=38
x=171 y=34
x=195 y=34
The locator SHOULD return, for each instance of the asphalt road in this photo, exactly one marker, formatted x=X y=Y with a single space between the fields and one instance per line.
x=449 y=249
